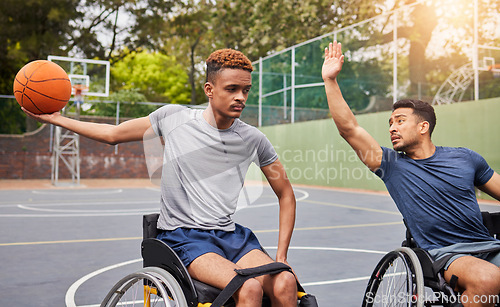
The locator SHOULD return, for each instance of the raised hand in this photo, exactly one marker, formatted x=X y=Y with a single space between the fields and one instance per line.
x=334 y=59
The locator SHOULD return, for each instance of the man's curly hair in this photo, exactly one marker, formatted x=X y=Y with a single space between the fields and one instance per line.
x=226 y=58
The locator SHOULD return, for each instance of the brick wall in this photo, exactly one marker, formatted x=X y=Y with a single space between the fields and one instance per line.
x=28 y=156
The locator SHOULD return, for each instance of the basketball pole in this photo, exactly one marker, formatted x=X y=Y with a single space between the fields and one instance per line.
x=475 y=52
x=66 y=147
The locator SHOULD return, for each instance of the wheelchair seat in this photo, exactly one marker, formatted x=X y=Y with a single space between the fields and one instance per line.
x=156 y=253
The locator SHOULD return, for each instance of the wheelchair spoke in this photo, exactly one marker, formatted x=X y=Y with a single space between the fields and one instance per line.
x=148 y=287
x=393 y=282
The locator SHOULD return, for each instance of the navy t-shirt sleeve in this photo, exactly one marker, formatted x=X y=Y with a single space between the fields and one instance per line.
x=483 y=171
x=386 y=167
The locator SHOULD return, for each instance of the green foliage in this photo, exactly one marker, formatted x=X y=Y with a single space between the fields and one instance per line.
x=180 y=34
x=259 y=26
x=157 y=76
x=13 y=119
x=130 y=105
x=31 y=30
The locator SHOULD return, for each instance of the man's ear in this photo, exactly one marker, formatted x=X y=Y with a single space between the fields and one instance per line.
x=424 y=127
x=208 y=88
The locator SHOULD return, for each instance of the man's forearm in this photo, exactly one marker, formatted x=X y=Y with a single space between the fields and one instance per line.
x=95 y=131
x=341 y=113
x=286 y=225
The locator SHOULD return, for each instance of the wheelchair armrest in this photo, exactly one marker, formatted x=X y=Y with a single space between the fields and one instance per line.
x=426 y=262
x=149 y=223
x=492 y=222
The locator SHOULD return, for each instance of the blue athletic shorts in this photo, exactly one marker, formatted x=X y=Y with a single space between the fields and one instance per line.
x=464 y=249
x=189 y=243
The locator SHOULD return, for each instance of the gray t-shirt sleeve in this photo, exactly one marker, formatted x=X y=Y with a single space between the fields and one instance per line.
x=265 y=151
x=260 y=144
x=163 y=113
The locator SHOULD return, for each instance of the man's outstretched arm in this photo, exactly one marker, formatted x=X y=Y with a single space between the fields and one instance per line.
x=365 y=146
x=128 y=131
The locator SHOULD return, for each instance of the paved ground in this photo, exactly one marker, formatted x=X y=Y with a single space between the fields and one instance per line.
x=67 y=245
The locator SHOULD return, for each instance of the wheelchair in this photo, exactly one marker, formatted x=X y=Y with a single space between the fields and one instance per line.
x=403 y=275
x=165 y=281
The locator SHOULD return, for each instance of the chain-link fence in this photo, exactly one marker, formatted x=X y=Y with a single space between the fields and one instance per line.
x=440 y=53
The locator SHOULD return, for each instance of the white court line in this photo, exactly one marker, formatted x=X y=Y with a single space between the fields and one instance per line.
x=117 y=212
x=70 y=294
x=77 y=215
x=88 y=203
x=85 y=211
x=331 y=282
x=72 y=192
x=305 y=196
x=100 y=203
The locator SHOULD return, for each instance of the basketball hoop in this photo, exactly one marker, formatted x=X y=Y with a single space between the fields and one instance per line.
x=495 y=69
x=80 y=89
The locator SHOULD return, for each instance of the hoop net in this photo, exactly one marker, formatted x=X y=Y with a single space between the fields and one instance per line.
x=79 y=89
x=495 y=69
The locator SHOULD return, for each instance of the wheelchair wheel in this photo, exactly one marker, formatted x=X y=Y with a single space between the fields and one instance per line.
x=147 y=287
x=396 y=281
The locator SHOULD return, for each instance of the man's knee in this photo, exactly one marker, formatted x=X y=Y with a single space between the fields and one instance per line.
x=490 y=281
x=251 y=290
x=486 y=281
x=285 y=285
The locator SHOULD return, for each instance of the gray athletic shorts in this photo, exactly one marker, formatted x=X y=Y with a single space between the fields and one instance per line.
x=465 y=249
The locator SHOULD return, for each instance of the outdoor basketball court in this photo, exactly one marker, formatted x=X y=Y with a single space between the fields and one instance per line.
x=68 y=246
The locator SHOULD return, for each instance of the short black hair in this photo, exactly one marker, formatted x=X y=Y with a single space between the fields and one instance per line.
x=226 y=58
x=420 y=108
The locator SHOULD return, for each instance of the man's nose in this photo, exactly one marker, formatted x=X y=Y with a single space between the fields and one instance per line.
x=240 y=96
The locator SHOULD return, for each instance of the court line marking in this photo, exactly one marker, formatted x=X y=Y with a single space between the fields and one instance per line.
x=351 y=207
x=305 y=196
x=70 y=241
x=333 y=227
x=80 y=192
x=75 y=215
x=93 y=203
x=89 y=202
x=71 y=292
x=117 y=212
x=140 y=238
x=85 y=211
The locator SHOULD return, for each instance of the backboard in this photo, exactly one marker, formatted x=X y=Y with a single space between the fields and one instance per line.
x=93 y=74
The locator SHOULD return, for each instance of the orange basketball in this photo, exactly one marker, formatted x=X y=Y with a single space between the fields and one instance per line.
x=42 y=87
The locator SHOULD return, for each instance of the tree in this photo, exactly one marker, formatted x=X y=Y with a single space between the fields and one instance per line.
x=157 y=76
x=189 y=41
x=30 y=30
x=258 y=27
x=418 y=26
x=130 y=101
x=105 y=28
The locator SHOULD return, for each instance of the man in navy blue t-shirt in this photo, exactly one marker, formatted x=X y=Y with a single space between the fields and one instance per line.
x=432 y=186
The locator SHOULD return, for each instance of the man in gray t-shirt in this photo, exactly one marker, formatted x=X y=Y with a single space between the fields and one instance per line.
x=199 y=160
x=206 y=156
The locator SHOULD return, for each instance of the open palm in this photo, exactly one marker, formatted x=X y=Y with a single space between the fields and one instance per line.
x=334 y=59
